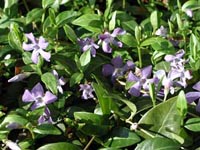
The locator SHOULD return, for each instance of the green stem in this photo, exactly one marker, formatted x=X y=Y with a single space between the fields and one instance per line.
x=26 y=5
x=140 y=56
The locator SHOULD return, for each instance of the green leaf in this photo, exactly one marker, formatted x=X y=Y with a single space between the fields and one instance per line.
x=50 y=82
x=76 y=78
x=158 y=143
x=105 y=101
x=121 y=137
x=193 y=124
x=91 y=22
x=163 y=119
x=70 y=33
x=163 y=65
x=182 y=104
x=85 y=57
x=14 y=118
x=47 y=3
x=14 y=37
x=34 y=15
x=155 y=19
x=59 y=146
x=179 y=22
x=128 y=39
x=138 y=33
x=47 y=129
x=92 y=124
x=65 y=17
x=112 y=21
x=153 y=40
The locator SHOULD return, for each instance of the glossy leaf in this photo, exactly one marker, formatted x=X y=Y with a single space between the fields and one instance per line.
x=14 y=118
x=85 y=58
x=182 y=104
x=47 y=129
x=50 y=82
x=92 y=124
x=193 y=124
x=59 y=146
x=121 y=137
x=34 y=15
x=76 y=78
x=158 y=143
x=91 y=22
x=70 y=33
x=163 y=119
x=65 y=17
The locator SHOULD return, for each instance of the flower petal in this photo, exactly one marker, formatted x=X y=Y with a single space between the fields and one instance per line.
x=118 y=31
x=49 y=98
x=131 y=77
x=135 y=89
x=117 y=62
x=42 y=43
x=27 y=96
x=146 y=72
x=34 y=56
x=31 y=37
x=37 y=90
x=107 y=70
x=45 y=55
x=197 y=86
x=169 y=58
x=129 y=65
x=192 y=96
x=27 y=47
x=37 y=104
x=106 y=47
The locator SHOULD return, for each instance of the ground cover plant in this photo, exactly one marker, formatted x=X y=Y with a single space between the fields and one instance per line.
x=99 y=74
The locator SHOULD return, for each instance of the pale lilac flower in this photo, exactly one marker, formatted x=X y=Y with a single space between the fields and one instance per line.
x=45 y=117
x=19 y=77
x=189 y=13
x=38 y=96
x=116 y=68
x=140 y=78
x=12 y=145
x=13 y=125
x=107 y=39
x=192 y=96
x=37 y=46
x=161 y=31
x=87 y=90
x=88 y=44
x=60 y=81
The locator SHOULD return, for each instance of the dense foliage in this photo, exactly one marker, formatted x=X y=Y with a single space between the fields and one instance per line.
x=99 y=74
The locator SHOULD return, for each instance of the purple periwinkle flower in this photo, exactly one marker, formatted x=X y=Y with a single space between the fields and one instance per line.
x=161 y=31
x=192 y=96
x=60 y=81
x=19 y=77
x=139 y=78
x=107 y=39
x=87 y=90
x=38 y=96
x=45 y=117
x=116 y=68
x=88 y=44
x=37 y=46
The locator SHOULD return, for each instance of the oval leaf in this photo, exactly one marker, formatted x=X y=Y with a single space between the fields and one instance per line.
x=59 y=146
x=50 y=82
x=47 y=129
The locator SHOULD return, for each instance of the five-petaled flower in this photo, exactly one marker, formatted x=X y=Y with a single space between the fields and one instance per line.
x=87 y=91
x=88 y=44
x=192 y=96
x=37 y=46
x=108 y=39
x=139 y=78
x=45 y=117
x=38 y=96
x=116 y=68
